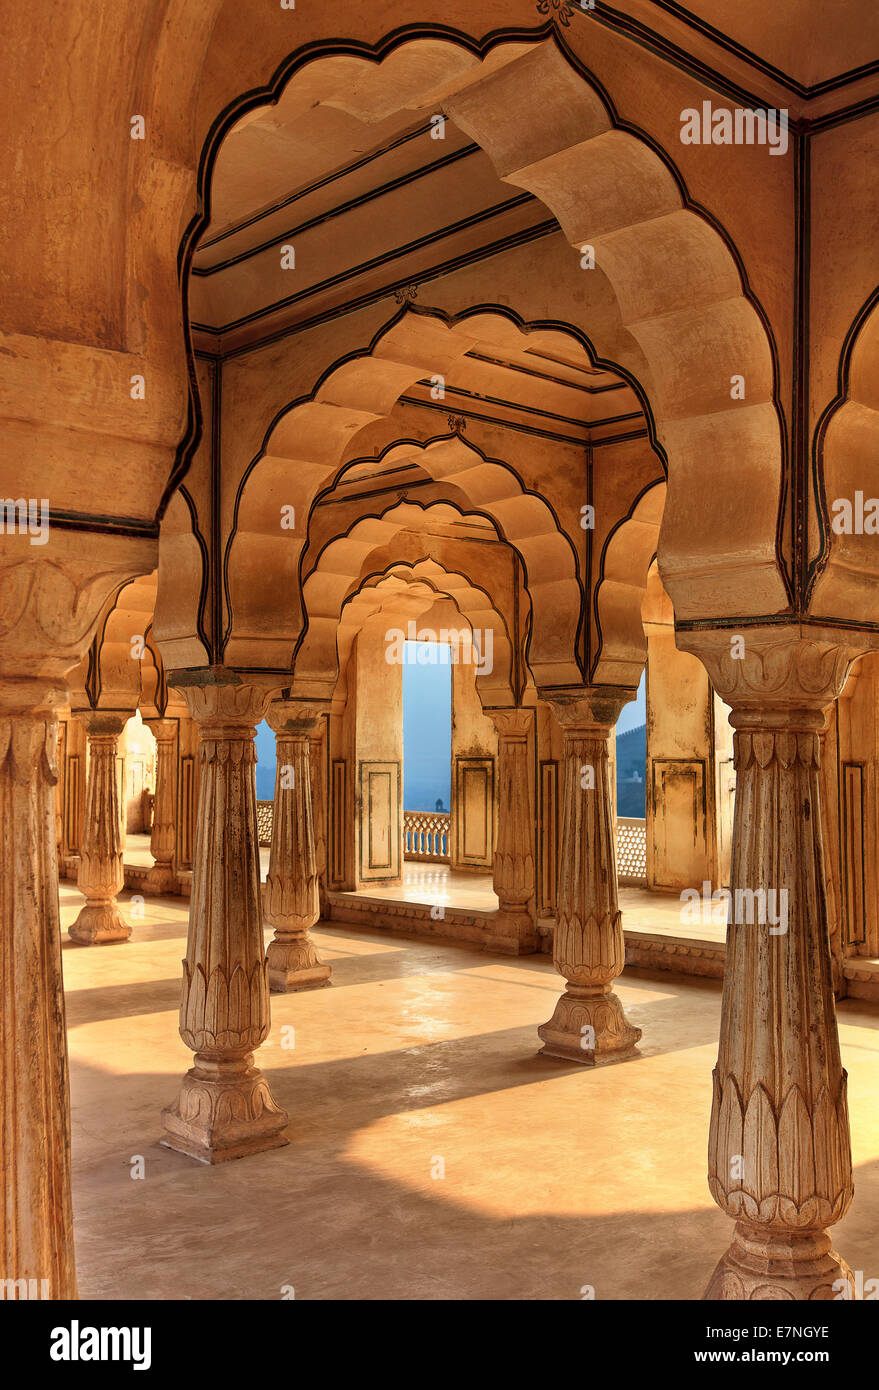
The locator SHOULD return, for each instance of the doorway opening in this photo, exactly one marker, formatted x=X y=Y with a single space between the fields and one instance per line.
x=427 y=753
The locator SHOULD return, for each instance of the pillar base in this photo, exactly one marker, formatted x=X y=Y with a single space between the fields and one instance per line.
x=225 y=1110
x=99 y=924
x=514 y=934
x=289 y=981
x=589 y=1027
x=763 y=1263
x=295 y=965
x=160 y=880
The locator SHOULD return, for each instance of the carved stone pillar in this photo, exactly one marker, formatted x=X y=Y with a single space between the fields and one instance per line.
x=292 y=901
x=101 y=875
x=225 y=1108
x=49 y=608
x=779 y=1159
x=828 y=754
x=516 y=929
x=37 y=1224
x=588 y=1024
x=319 y=814
x=163 y=836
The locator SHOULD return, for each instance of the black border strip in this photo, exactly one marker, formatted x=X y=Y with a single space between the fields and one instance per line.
x=340 y=209
x=354 y=272
x=801 y=89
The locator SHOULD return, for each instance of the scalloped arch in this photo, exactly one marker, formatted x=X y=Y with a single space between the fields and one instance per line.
x=846 y=459
x=346 y=568
x=410 y=592
x=620 y=591
x=311 y=444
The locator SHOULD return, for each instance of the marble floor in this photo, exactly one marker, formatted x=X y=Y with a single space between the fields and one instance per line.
x=642 y=911
x=438 y=884
x=433 y=1155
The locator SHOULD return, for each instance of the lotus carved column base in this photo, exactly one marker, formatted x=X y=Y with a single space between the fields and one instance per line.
x=99 y=924
x=294 y=965
x=764 y=1263
x=589 y=1026
x=225 y=1110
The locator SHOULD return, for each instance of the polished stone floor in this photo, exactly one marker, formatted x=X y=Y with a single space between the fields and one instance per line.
x=433 y=1154
x=438 y=884
x=642 y=911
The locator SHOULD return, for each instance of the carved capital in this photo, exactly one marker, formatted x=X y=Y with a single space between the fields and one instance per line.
x=221 y=701
x=103 y=723
x=162 y=730
x=50 y=604
x=295 y=718
x=774 y=676
x=598 y=707
x=513 y=723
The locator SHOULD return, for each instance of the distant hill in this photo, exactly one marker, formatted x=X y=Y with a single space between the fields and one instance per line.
x=631 y=772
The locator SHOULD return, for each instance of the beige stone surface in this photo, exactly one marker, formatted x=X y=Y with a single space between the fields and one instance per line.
x=419 y=1050
x=399 y=313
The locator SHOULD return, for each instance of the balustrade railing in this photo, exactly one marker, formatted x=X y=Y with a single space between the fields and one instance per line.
x=426 y=835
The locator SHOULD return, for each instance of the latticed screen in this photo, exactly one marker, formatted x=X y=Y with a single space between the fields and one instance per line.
x=631 y=850
x=264 y=818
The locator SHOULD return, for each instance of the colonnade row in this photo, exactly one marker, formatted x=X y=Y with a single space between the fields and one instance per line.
x=779 y=1155
x=689 y=802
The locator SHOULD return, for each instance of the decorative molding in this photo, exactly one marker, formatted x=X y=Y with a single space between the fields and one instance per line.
x=405 y=294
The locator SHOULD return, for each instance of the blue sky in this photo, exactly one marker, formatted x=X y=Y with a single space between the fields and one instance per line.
x=635 y=712
x=427 y=733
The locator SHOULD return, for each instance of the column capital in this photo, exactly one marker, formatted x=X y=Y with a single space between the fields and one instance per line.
x=103 y=722
x=49 y=607
x=516 y=721
x=597 y=707
x=163 y=730
x=295 y=718
x=220 y=697
x=774 y=676
x=32 y=695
